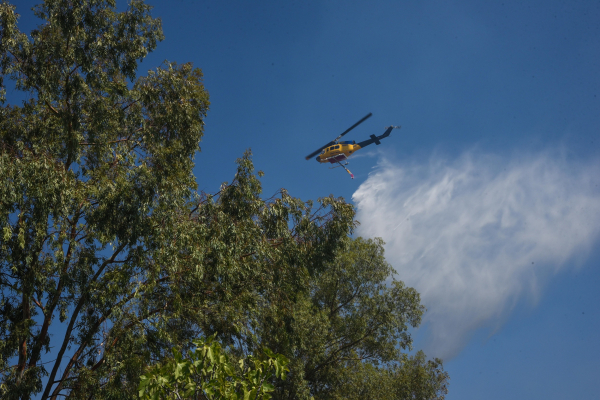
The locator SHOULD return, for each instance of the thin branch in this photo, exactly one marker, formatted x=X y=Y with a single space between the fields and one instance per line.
x=38 y=303
x=70 y=328
x=356 y=293
x=129 y=105
x=110 y=142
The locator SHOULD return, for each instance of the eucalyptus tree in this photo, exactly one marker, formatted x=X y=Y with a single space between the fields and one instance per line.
x=348 y=335
x=108 y=255
x=412 y=377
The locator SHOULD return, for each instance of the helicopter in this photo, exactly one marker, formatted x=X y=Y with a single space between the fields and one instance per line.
x=339 y=152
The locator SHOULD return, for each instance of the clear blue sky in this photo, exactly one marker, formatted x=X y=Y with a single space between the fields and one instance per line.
x=487 y=197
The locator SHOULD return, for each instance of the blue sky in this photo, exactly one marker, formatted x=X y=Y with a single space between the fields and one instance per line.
x=488 y=196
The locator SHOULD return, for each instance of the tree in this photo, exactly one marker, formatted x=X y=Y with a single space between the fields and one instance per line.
x=412 y=377
x=210 y=373
x=103 y=235
x=346 y=335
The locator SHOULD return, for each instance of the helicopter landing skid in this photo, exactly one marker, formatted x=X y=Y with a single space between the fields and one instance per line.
x=344 y=166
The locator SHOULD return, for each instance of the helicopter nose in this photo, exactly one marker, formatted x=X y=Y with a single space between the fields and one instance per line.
x=318 y=158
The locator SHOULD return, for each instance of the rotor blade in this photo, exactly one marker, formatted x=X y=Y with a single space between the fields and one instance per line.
x=353 y=126
x=314 y=153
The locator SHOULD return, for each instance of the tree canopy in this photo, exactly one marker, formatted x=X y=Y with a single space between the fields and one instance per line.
x=348 y=334
x=110 y=257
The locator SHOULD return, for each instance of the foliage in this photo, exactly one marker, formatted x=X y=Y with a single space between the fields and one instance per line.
x=210 y=373
x=347 y=334
x=351 y=328
x=103 y=235
x=413 y=377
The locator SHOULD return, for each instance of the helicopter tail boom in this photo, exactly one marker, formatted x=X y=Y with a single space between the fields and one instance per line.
x=376 y=139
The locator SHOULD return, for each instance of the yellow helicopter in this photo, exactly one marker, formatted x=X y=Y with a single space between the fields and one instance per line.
x=339 y=152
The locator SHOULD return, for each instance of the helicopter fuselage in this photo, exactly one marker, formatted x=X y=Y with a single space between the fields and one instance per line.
x=338 y=152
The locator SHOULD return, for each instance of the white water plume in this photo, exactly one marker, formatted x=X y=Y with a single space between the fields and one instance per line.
x=477 y=234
